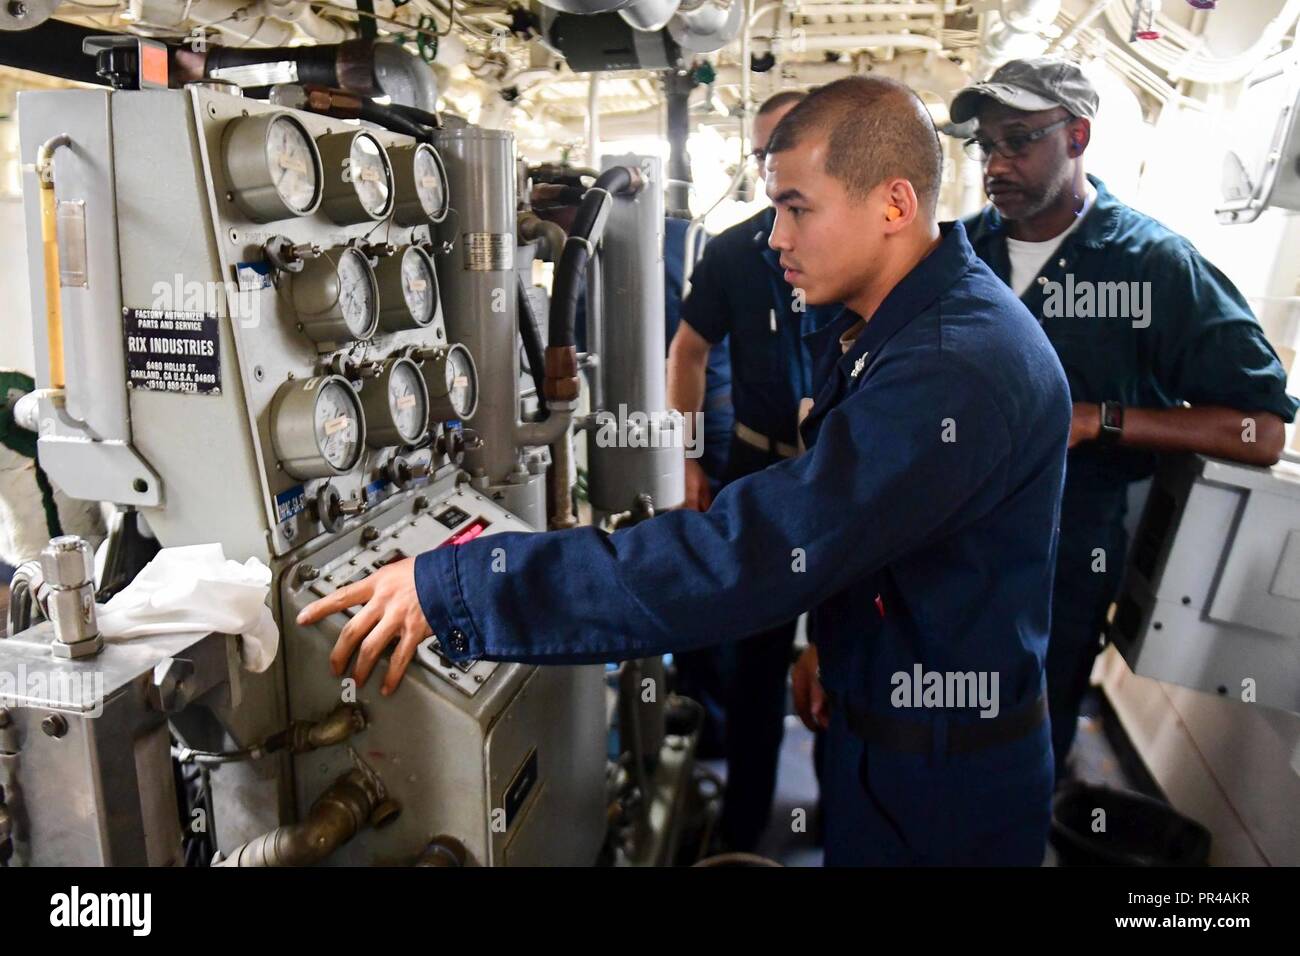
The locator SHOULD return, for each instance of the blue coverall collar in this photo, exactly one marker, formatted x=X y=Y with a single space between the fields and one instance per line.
x=915 y=292
x=929 y=279
x=1098 y=228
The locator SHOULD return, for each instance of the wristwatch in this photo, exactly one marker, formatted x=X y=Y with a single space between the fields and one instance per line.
x=1112 y=423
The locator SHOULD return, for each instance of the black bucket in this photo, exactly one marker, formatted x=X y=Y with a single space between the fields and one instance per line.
x=1139 y=831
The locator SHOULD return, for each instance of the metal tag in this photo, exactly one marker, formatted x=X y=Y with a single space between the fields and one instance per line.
x=172 y=351
x=489 y=251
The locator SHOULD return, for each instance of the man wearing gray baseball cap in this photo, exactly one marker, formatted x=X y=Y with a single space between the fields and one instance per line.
x=1143 y=325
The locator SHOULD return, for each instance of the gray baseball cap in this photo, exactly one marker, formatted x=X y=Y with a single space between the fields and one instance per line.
x=1030 y=85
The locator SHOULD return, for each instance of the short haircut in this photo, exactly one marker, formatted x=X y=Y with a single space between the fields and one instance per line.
x=876 y=128
x=779 y=100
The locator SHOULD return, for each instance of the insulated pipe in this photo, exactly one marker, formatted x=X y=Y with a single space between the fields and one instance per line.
x=869 y=41
x=366 y=68
x=231 y=17
x=1075 y=28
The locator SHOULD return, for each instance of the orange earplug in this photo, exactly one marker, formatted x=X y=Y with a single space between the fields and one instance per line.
x=892 y=213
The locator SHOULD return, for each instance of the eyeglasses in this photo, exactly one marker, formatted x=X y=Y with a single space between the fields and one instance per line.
x=1009 y=147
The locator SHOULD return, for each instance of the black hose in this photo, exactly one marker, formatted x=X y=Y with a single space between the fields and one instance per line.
x=571 y=270
x=617 y=179
x=417 y=115
x=566 y=290
x=532 y=343
x=389 y=119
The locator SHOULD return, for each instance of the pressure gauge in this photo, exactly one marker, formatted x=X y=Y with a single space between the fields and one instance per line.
x=419 y=184
x=272 y=165
x=408 y=290
x=452 y=381
x=358 y=181
x=396 y=404
x=317 y=427
x=336 y=297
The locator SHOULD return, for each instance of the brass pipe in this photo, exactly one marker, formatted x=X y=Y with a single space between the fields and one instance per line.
x=50 y=244
x=336 y=817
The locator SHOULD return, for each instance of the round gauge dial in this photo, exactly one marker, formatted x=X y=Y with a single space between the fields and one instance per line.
x=462 y=381
x=408 y=290
x=337 y=424
x=358 y=295
x=273 y=169
x=430 y=182
x=371 y=175
x=358 y=181
x=419 y=285
x=396 y=404
x=318 y=427
x=408 y=401
x=419 y=185
x=452 y=380
x=293 y=161
x=336 y=297
x=453 y=383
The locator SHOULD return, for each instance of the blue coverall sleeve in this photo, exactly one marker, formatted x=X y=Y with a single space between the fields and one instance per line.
x=917 y=452
x=1208 y=348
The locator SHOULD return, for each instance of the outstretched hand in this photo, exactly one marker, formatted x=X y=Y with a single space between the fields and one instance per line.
x=391 y=613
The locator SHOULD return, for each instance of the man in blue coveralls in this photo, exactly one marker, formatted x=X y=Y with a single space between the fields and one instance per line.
x=919 y=526
x=1142 y=324
x=739 y=294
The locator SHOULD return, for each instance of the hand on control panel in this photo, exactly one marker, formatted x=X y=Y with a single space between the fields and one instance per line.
x=392 y=612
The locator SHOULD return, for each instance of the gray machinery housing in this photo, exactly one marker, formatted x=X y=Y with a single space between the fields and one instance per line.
x=270 y=433
x=1211 y=594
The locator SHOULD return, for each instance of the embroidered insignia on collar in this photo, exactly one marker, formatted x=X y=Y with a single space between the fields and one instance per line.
x=859 y=365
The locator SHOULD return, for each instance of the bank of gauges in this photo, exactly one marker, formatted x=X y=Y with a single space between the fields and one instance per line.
x=276 y=170
x=343 y=294
x=320 y=426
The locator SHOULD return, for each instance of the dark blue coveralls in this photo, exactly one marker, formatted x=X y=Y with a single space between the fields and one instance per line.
x=920 y=527
x=738 y=294
x=1202 y=346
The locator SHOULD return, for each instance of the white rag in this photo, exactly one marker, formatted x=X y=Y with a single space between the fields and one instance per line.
x=196 y=589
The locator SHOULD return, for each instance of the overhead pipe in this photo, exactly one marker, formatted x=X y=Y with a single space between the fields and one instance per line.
x=367 y=68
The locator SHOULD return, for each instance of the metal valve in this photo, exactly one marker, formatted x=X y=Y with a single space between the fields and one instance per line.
x=69 y=568
x=286 y=256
